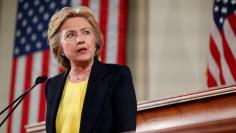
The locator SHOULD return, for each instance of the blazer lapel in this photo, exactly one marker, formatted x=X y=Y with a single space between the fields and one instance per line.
x=60 y=85
x=94 y=96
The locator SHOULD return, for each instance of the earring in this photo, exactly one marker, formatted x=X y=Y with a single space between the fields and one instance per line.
x=62 y=54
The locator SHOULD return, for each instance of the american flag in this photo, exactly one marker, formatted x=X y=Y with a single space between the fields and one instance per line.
x=222 y=52
x=32 y=56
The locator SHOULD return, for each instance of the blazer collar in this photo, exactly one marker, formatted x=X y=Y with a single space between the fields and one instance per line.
x=60 y=85
x=94 y=96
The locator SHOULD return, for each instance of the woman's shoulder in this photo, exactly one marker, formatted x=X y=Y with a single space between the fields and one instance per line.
x=118 y=69
x=56 y=78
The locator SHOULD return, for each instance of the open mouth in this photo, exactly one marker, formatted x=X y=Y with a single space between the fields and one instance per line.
x=81 y=50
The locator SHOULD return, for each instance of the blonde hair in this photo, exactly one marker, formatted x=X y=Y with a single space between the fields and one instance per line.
x=55 y=24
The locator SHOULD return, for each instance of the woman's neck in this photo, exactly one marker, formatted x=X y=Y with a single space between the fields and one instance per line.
x=80 y=72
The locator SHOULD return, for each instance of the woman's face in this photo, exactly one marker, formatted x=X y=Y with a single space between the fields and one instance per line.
x=77 y=40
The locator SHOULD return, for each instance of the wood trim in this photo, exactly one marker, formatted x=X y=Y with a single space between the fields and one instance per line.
x=186 y=98
x=36 y=128
x=220 y=126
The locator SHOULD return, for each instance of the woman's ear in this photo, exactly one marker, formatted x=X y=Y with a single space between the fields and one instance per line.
x=62 y=54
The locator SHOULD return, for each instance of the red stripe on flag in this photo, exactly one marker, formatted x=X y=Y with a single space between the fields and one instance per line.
x=12 y=90
x=45 y=68
x=103 y=25
x=85 y=2
x=211 y=82
x=216 y=56
x=229 y=57
x=123 y=14
x=25 y=109
x=232 y=22
x=42 y=104
x=61 y=70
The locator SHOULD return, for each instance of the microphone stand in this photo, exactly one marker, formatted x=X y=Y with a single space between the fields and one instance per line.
x=39 y=80
x=12 y=110
x=17 y=99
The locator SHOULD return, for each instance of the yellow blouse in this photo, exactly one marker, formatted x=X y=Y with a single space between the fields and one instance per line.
x=70 y=108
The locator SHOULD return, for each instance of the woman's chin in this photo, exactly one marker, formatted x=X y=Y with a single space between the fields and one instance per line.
x=84 y=59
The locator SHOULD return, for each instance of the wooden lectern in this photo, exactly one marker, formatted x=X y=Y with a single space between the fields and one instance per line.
x=209 y=111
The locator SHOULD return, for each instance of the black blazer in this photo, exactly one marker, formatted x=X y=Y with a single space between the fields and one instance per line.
x=109 y=106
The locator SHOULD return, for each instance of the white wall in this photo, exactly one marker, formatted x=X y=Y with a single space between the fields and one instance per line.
x=7 y=28
x=178 y=43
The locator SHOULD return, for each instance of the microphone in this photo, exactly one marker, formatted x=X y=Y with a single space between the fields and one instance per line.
x=38 y=80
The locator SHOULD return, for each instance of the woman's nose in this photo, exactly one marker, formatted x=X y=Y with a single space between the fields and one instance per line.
x=80 y=40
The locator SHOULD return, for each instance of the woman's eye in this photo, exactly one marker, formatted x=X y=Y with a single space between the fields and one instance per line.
x=86 y=32
x=70 y=35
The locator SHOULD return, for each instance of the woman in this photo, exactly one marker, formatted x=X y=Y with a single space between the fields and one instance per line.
x=89 y=96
